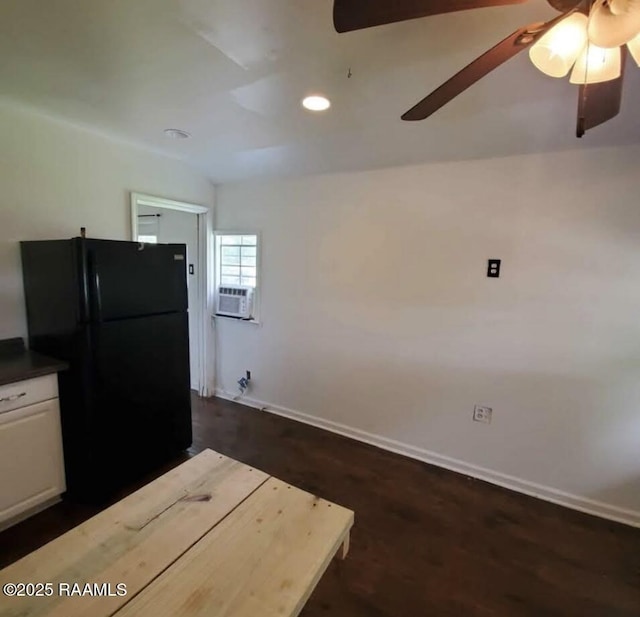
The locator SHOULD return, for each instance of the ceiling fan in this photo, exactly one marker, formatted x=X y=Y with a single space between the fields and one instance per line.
x=592 y=36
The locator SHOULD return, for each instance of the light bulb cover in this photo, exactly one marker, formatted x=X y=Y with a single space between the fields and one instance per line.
x=177 y=134
x=613 y=22
x=316 y=102
x=596 y=64
x=634 y=48
x=556 y=51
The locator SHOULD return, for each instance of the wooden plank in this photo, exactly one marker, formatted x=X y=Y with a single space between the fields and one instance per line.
x=136 y=539
x=263 y=559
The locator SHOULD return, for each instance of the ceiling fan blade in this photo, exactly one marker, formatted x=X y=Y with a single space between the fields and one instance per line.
x=357 y=14
x=598 y=103
x=481 y=66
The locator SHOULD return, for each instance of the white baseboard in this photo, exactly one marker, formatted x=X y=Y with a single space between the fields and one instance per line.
x=575 y=502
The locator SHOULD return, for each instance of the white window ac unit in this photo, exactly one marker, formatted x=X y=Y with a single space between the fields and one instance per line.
x=235 y=301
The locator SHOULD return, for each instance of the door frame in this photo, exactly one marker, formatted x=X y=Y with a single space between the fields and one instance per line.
x=206 y=378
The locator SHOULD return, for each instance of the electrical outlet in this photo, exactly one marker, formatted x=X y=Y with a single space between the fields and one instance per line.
x=493 y=268
x=482 y=414
x=243 y=384
x=248 y=375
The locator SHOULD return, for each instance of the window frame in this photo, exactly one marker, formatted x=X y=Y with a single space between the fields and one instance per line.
x=217 y=246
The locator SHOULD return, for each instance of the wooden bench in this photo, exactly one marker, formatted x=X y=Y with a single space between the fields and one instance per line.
x=212 y=537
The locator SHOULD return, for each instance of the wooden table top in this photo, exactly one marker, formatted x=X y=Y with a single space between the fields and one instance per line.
x=211 y=537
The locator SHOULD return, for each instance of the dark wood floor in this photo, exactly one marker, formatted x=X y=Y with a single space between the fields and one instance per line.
x=427 y=542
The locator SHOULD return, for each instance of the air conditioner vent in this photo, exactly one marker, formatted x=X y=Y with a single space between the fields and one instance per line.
x=235 y=301
x=235 y=291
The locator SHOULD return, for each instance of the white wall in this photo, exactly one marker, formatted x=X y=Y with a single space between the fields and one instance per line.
x=377 y=315
x=56 y=178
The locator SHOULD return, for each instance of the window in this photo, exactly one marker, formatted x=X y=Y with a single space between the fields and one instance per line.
x=238 y=259
x=237 y=263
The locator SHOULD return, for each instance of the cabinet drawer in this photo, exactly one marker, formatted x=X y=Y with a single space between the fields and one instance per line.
x=28 y=392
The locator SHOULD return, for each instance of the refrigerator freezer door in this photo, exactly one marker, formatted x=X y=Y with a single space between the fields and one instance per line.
x=128 y=279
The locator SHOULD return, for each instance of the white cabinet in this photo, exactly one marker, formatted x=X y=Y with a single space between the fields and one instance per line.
x=31 y=458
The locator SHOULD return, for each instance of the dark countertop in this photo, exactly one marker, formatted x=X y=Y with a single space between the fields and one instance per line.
x=18 y=363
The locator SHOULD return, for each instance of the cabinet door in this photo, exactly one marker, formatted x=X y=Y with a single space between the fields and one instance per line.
x=31 y=461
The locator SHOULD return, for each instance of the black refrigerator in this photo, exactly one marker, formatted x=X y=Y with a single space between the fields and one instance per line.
x=117 y=313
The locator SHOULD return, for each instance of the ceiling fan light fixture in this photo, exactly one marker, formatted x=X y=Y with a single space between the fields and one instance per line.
x=316 y=102
x=634 y=48
x=557 y=50
x=596 y=64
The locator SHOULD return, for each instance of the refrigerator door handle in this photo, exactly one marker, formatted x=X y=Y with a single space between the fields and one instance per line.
x=84 y=306
x=95 y=296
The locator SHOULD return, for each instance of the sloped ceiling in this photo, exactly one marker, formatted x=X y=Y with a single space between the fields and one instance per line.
x=232 y=73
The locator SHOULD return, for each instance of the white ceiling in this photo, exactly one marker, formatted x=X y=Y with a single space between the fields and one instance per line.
x=232 y=73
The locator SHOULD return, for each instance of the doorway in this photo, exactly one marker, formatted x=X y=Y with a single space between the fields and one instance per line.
x=158 y=220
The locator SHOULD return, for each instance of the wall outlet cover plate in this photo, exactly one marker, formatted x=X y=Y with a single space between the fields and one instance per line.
x=493 y=268
x=482 y=414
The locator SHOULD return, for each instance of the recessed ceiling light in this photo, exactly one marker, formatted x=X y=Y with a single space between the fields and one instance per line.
x=316 y=103
x=176 y=134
